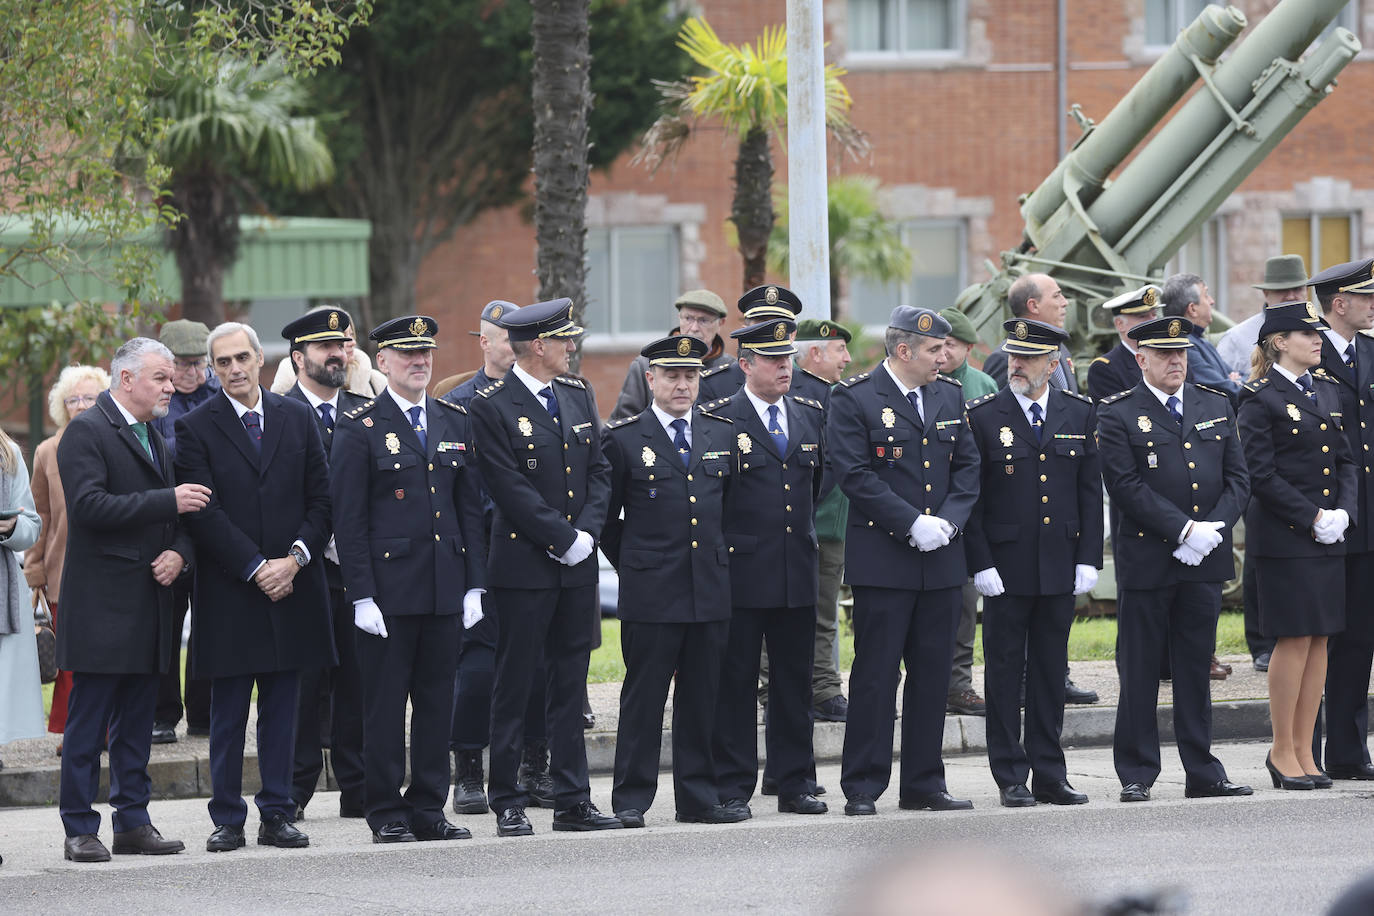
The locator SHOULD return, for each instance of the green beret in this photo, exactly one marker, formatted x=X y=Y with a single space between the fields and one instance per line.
x=822 y=329
x=960 y=327
x=702 y=299
x=184 y=338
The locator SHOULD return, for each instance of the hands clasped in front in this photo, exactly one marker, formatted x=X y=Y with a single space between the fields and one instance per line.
x=275 y=577
x=1330 y=526
x=929 y=532
x=1200 y=540
x=581 y=548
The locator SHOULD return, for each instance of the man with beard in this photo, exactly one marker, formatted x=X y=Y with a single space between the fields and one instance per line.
x=330 y=712
x=1034 y=541
x=699 y=315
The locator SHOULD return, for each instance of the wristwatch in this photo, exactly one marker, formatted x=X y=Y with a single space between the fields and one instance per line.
x=298 y=555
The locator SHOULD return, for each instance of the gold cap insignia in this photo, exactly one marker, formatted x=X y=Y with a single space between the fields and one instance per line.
x=770 y=295
x=1021 y=330
x=1144 y=423
x=1175 y=327
x=825 y=330
x=779 y=331
x=496 y=311
x=684 y=346
x=1312 y=310
x=333 y=321
x=924 y=323
x=1150 y=298
x=418 y=327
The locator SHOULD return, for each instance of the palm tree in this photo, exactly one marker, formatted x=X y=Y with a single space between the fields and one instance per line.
x=745 y=87
x=222 y=138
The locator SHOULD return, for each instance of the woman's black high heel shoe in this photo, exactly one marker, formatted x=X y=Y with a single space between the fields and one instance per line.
x=1286 y=782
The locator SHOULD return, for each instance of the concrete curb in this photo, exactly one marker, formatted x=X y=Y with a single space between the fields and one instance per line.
x=1084 y=726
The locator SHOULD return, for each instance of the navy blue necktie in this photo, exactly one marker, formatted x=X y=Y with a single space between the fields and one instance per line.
x=1175 y=409
x=775 y=430
x=419 y=430
x=1350 y=355
x=915 y=400
x=550 y=402
x=1037 y=423
x=254 y=427
x=1305 y=383
x=680 y=440
x=327 y=415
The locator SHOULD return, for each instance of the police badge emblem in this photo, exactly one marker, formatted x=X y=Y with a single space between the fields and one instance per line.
x=393 y=444
x=1144 y=423
x=647 y=456
x=888 y=417
x=746 y=445
x=1006 y=436
x=1293 y=411
x=525 y=426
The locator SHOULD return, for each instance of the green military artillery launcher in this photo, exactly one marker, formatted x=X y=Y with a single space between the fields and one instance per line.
x=1097 y=235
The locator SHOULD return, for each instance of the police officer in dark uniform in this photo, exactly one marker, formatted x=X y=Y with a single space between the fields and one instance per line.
x=774 y=574
x=330 y=711
x=496 y=358
x=539 y=448
x=1173 y=467
x=671 y=467
x=1346 y=295
x=1034 y=541
x=408 y=524
x=901 y=450
x=758 y=305
x=1117 y=369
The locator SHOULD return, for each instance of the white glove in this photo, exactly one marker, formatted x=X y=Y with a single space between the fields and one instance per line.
x=579 y=551
x=946 y=527
x=1204 y=537
x=368 y=617
x=1187 y=555
x=1084 y=578
x=927 y=533
x=472 y=607
x=989 y=582
x=1331 y=525
x=331 y=551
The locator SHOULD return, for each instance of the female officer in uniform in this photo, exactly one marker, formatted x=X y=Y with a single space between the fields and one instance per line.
x=1303 y=489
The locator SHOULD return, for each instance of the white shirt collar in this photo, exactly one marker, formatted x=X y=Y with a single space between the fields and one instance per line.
x=898 y=382
x=1164 y=398
x=1043 y=401
x=128 y=417
x=316 y=402
x=406 y=405
x=1288 y=375
x=533 y=384
x=667 y=419
x=1340 y=342
x=240 y=410
x=761 y=408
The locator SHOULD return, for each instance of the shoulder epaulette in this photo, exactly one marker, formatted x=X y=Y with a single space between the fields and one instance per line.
x=360 y=409
x=979 y=401
x=616 y=424
x=1113 y=398
x=707 y=373
x=809 y=402
x=1255 y=384
x=492 y=388
x=718 y=402
x=1321 y=374
x=701 y=409
x=855 y=379
x=1211 y=390
x=570 y=381
x=1367 y=332
x=951 y=380
x=812 y=374
x=452 y=406
x=1077 y=394
x=1100 y=359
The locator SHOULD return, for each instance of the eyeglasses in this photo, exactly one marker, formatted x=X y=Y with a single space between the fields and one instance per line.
x=80 y=400
x=188 y=365
x=699 y=320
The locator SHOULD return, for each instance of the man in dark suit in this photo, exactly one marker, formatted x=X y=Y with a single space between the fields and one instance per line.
x=671 y=466
x=261 y=604
x=1034 y=541
x=1117 y=370
x=330 y=711
x=1039 y=298
x=1173 y=468
x=408 y=524
x=1346 y=295
x=125 y=548
x=774 y=574
x=901 y=451
x=539 y=448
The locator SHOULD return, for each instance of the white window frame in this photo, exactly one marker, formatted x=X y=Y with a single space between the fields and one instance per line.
x=959 y=12
x=1314 y=232
x=613 y=338
x=1178 y=10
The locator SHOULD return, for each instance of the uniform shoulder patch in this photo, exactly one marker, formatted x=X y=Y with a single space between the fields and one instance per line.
x=977 y=402
x=570 y=381
x=360 y=409
x=616 y=424
x=952 y=381
x=1254 y=384
x=1210 y=390
x=1321 y=374
x=701 y=409
x=492 y=388
x=707 y=373
x=809 y=402
x=718 y=402
x=1113 y=398
x=1077 y=394
x=855 y=379
x=452 y=406
x=1100 y=359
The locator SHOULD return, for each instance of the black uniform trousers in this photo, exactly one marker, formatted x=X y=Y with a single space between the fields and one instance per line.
x=653 y=653
x=414 y=662
x=472 y=687
x=1255 y=641
x=230 y=699
x=1348 y=660
x=122 y=706
x=169 y=708
x=555 y=625
x=791 y=636
x=1030 y=633
x=1183 y=618
x=331 y=702
x=892 y=626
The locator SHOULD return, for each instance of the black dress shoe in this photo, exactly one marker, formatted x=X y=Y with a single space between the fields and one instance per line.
x=164 y=734
x=1319 y=780
x=860 y=806
x=1135 y=792
x=1075 y=694
x=349 y=808
x=630 y=817
x=802 y=804
x=395 y=832
x=1017 y=796
x=512 y=822
x=1288 y=782
x=716 y=814
x=442 y=830
x=835 y=709
x=145 y=841
x=1059 y=793
x=1262 y=661
x=584 y=816
x=1219 y=789
x=935 y=801
x=197 y=731
x=770 y=787
x=1350 y=771
x=84 y=848
x=277 y=831
x=738 y=805
x=226 y=838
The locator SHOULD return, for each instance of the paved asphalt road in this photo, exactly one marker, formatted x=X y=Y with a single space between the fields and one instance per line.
x=1282 y=853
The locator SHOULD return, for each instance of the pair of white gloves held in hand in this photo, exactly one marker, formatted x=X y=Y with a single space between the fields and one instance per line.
x=929 y=532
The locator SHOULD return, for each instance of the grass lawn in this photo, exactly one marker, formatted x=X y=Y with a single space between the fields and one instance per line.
x=1091 y=639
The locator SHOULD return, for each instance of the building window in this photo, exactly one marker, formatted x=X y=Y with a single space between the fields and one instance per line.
x=1323 y=239
x=938 y=274
x=915 y=27
x=632 y=277
x=1205 y=255
x=1164 y=19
